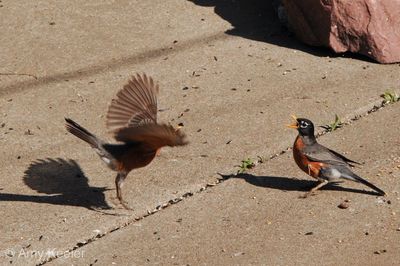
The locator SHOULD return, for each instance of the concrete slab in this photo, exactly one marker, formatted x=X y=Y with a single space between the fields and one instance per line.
x=241 y=90
x=260 y=219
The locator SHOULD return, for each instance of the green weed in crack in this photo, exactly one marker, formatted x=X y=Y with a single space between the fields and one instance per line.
x=390 y=97
x=334 y=125
x=245 y=165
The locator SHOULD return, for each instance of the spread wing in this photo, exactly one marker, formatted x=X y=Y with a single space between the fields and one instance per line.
x=135 y=105
x=154 y=135
x=319 y=153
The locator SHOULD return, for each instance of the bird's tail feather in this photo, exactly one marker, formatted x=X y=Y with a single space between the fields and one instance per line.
x=358 y=179
x=82 y=133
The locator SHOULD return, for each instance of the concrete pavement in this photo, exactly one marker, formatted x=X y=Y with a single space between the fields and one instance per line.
x=259 y=219
x=241 y=90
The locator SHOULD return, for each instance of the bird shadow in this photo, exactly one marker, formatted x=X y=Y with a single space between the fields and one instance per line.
x=257 y=20
x=63 y=182
x=292 y=184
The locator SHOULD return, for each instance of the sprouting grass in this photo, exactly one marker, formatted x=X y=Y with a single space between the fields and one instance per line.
x=245 y=165
x=390 y=97
x=334 y=125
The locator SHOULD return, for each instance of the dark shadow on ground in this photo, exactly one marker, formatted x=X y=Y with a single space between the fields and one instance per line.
x=292 y=184
x=251 y=19
x=257 y=20
x=63 y=182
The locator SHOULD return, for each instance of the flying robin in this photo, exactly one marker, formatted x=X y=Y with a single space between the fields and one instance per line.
x=132 y=119
x=320 y=162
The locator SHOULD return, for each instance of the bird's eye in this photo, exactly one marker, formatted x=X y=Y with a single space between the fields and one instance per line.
x=303 y=124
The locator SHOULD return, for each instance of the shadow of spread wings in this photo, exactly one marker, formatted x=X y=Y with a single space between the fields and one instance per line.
x=154 y=135
x=135 y=105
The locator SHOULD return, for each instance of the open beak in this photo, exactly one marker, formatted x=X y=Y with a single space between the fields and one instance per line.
x=295 y=124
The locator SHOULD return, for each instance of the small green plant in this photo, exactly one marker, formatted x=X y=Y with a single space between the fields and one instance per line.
x=245 y=165
x=334 y=125
x=390 y=97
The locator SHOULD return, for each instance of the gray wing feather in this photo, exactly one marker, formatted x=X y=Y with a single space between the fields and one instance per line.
x=319 y=153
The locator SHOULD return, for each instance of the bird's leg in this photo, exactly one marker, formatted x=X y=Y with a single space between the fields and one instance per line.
x=321 y=183
x=312 y=170
x=119 y=182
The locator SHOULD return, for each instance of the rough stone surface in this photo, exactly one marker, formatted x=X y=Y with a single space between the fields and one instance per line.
x=368 y=27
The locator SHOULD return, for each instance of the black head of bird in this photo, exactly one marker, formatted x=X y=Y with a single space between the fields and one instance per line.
x=304 y=126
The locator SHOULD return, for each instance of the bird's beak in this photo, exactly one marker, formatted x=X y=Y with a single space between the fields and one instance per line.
x=295 y=124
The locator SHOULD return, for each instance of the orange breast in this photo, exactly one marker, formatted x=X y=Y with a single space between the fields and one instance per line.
x=309 y=167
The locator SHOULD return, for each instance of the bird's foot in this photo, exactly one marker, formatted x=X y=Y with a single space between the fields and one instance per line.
x=312 y=192
x=307 y=194
x=125 y=205
x=116 y=201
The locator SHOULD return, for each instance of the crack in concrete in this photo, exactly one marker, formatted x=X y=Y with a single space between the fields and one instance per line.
x=349 y=119
x=357 y=115
x=149 y=212
x=111 y=64
x=18 y=74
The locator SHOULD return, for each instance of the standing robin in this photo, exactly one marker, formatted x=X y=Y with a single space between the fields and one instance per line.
x=320 y=162
x=132 y=119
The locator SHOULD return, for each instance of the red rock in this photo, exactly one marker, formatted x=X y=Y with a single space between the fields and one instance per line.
x=368 y=27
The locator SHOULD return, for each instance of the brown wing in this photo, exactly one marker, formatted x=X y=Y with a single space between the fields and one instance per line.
x=154 y=135
x=135 y=105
